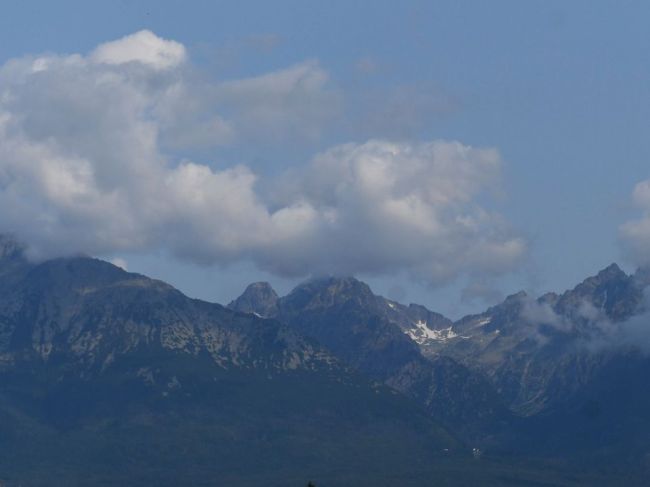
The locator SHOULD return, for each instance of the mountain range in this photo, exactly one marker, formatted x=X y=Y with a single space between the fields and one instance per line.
x=112 y=378
x=560 y=376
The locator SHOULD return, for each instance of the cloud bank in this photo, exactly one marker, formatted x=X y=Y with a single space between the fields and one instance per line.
x=587 y=325
x=93 y=159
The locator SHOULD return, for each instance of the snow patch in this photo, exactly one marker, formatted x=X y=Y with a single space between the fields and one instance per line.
x=483 y=321
x=422 y=334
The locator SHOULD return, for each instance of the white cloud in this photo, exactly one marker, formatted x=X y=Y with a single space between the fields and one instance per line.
x=536 y=313
x=143 y=47
x=86 y=164
x=586 y=325
x=381 y=207
x=119 y=262
x=635 y=234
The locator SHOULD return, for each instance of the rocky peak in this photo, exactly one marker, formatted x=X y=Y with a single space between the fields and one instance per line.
x=549 y=298
x=610 y=275
x=511 y=305
x=612 y=271
x=328 y=292
x=258 y=298
x=433 y=320
x=611 y=290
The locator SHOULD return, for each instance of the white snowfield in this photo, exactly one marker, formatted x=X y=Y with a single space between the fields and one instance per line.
x=422 y=333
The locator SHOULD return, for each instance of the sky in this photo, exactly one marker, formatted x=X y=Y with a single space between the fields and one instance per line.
x=448 y=153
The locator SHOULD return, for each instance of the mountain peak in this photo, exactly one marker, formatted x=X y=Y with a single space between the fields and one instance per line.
x=324 y=292
x=342 y=284
x=608 y=276
x=259 y=298
x=611 y=289
x=517 y=296
x=510 y=306
x=336 y=285
x=261 y=286
x=612 y=271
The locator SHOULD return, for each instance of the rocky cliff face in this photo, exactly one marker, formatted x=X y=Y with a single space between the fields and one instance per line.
x=91 y=312
x=539 y=352
x=259 y=298
x=379 y=338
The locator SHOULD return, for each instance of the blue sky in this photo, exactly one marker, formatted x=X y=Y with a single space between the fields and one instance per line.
x=560 y=89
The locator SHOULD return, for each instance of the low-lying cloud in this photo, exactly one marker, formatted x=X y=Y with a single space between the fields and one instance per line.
x=91 y=160
x=588 y=326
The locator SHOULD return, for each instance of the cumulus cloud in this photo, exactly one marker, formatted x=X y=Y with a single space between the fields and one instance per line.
x=384 y=205
x=142 y=47
x=91 y=160
x=635 y=234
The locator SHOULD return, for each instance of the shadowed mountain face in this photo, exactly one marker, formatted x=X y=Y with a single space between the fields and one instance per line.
x=576 y=365
x=364 y=331
x=563 y=374
x=259 y=298
x=539 y=352
x=122 y=380
x=91 y=313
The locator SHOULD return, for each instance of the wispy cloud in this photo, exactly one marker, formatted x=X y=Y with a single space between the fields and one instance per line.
x=587 y=326
x=635 y=234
